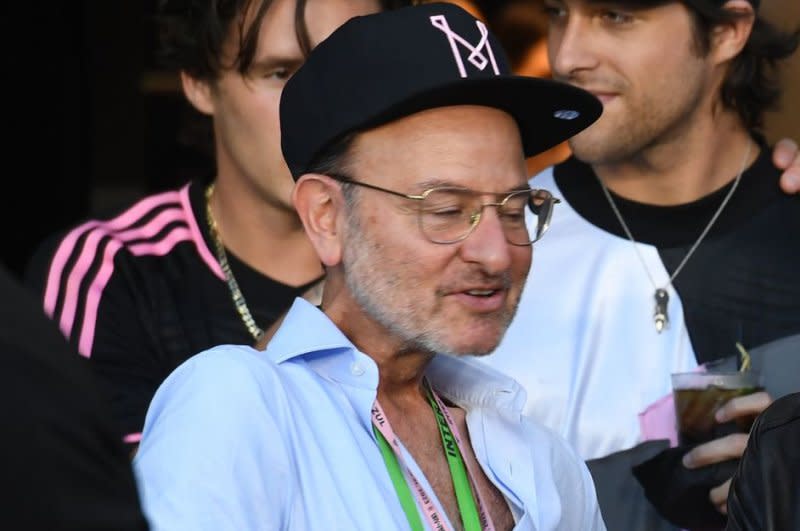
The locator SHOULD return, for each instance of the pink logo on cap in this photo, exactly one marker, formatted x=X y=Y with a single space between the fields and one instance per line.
x=480 y=55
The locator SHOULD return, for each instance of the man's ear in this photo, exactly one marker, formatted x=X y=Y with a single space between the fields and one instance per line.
x=319 y=203
x=198 y=92
x=729 y=39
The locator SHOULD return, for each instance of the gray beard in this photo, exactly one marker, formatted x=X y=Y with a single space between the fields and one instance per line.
x=370 y=291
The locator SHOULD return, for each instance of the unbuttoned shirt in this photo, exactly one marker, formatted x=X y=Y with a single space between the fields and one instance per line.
x=241 y=439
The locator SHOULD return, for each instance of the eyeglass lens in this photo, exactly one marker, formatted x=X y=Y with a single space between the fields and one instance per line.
x=449 y=215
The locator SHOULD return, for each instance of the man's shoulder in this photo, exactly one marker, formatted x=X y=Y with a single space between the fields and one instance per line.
x=225 y=381
x=225 y=367
x=139 y=225
x=153 y=227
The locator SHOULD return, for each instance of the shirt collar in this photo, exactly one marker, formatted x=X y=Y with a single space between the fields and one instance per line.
x=470 y=384
x=307 y=333
x=308 y=337
x=305 y=330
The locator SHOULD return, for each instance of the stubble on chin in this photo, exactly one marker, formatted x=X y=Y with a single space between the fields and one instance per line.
x=603 y=145
x=497 y=324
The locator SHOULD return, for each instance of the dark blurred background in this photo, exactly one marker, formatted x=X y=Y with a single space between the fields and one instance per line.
x=92 y=123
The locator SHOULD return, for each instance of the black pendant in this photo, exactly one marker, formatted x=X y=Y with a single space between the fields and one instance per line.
x=660 y=316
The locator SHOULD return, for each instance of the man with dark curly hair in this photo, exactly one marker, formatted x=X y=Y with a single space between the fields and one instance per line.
x=221 y=258
x=675 y=242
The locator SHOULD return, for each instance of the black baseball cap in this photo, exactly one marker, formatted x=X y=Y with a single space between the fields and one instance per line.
x=377 y=68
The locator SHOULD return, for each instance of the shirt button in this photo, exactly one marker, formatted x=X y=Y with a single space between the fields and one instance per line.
x=356 y=369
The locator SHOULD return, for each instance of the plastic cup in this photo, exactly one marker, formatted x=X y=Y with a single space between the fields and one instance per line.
x=698 y=396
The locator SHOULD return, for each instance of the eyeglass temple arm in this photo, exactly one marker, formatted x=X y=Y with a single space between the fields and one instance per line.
x=343 y=179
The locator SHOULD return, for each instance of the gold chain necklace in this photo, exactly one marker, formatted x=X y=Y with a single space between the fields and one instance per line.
x=661 y=296
x=233 y=286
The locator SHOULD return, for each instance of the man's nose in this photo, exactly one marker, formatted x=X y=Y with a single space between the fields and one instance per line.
x=571 y=48
x=486 y=244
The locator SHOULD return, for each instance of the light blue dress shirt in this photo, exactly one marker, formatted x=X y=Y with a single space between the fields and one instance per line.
x=240 y=439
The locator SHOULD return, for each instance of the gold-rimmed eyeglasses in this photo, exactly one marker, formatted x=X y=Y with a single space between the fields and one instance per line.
x=448 y=214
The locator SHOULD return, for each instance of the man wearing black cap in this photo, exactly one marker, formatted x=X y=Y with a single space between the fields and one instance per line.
x=672 y=245
x=406 y=134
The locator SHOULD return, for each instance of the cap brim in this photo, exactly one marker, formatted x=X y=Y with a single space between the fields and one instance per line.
x=547 y=112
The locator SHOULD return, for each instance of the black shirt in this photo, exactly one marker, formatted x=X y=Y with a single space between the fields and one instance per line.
x=141 y=292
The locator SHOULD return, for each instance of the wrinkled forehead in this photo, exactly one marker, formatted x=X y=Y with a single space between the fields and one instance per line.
x=459 y=145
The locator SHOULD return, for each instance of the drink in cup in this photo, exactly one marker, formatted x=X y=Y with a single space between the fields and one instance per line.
x=698 y=395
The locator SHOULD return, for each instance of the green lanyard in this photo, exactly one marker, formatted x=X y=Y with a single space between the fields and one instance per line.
x=458 y=473
x=400 y=485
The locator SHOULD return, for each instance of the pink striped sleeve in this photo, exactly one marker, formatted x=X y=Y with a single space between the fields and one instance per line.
x=67 y=246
